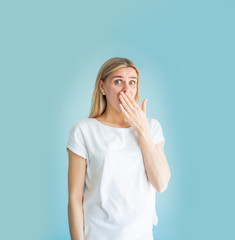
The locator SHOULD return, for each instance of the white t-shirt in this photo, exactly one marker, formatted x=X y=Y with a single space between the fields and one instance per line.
x=119 y=201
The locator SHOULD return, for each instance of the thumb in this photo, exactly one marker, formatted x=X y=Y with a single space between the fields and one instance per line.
x=144 y=105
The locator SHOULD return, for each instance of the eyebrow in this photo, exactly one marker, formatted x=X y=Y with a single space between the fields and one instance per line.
x=122 y=77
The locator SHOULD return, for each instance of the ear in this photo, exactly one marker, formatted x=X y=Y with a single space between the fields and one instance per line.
x=101 y=84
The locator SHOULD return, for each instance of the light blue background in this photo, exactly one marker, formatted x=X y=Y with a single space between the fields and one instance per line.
x=50 y=54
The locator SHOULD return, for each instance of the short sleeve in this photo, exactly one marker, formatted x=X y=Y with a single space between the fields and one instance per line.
x=156 y=131
x=76 y=142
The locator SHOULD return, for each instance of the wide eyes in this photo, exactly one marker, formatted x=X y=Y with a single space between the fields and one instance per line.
x=117 y=82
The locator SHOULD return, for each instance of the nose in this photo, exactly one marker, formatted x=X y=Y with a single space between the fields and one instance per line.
x=126 y=88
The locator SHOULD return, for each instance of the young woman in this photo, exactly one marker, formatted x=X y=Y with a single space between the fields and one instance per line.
x=116 y=161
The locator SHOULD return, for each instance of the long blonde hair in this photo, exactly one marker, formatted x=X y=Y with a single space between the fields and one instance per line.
x=98 y=104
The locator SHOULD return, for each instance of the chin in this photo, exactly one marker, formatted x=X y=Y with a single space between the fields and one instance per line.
x=118 y=110
x=118 y=107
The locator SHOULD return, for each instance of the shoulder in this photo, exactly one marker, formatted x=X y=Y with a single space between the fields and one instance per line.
x=156 y=130
x=82 y=124
x=152 y=122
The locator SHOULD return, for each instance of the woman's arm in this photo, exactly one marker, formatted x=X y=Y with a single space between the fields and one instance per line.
x=76 y=225
x=157 y=169
x=76 y=180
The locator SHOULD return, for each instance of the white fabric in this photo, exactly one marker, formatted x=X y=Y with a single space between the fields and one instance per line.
x=119 y=201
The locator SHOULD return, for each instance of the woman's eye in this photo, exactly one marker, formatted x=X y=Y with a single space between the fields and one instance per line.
x=117 y=81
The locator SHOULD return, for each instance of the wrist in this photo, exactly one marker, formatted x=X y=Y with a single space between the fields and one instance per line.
x=144 y=131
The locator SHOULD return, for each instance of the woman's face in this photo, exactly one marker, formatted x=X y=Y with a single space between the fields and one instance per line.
x=123 y=79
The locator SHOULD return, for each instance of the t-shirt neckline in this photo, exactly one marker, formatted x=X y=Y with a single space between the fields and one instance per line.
x=129 y=128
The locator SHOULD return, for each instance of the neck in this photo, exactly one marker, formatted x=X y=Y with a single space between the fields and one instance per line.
x=112 y=116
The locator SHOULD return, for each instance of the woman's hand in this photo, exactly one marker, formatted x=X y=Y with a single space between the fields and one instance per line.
x=135 y=115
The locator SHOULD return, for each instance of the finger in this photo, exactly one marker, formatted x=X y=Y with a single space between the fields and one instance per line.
x=124 y=111
x=144 y=105
x=128 y=102
x=124 y=105
x=132 y=101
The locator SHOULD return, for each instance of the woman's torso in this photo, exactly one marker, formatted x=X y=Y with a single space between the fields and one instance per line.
x=119 y=201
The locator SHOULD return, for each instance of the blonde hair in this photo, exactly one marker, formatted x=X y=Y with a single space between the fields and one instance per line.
x=98 y=104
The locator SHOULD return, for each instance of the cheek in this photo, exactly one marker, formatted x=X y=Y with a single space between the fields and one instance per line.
x=113 y=95
x=133 y=92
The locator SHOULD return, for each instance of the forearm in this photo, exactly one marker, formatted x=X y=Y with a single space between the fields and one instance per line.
x=76 y=220
x=157 y=169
